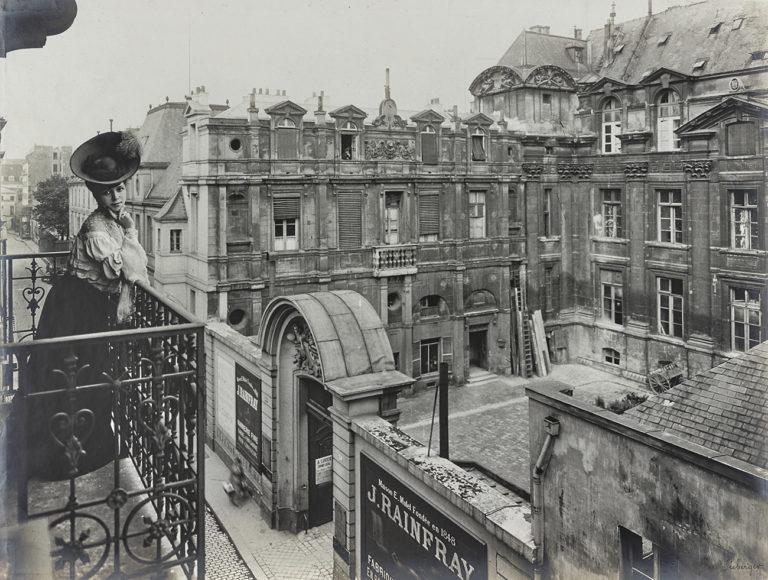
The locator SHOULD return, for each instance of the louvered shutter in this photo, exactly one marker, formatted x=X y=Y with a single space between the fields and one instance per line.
x=416 y=362
x=286 y=208
x=429 y=148
x=429 y=214
x=287 y=143
x=350 y=220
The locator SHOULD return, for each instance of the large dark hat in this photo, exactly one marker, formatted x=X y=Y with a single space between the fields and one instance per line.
x=107 y=158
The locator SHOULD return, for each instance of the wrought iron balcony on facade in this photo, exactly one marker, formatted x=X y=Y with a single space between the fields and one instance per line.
x=143 y=513
x=399 y=260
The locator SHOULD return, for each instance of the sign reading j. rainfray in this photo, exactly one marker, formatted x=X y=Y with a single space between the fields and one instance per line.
x=248 y=416
x=406 y=538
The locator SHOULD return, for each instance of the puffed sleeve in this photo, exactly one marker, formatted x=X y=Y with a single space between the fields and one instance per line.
x=104 y=250
x=134 y=258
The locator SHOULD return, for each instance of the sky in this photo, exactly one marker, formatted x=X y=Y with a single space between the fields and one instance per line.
x=121 y=56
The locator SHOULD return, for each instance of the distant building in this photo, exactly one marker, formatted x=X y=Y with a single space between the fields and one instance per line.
x=674 y=488
x=81 y=204
x=43 y=162
x=14 y=191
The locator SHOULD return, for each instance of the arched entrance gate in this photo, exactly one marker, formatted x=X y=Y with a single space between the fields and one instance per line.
x=322 y=351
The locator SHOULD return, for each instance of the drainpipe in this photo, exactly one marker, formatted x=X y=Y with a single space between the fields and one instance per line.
x=552 y=428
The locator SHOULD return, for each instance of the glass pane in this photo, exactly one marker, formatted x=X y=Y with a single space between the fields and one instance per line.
x=291 y=227
x=279 y=229
x=677 y=288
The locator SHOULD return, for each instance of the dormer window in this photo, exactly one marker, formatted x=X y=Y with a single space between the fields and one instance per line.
x=699 y=65
x=737 y=22
x=715 y=28
x=286 y=123
x=287 y=139
x=663 y=39
x=760 y=55
x=618 y=49
x=478 y=145
x=429 y=145
x=611 y=126
x=348 y=141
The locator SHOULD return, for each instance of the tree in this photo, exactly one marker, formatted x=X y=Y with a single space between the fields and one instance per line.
x=52 y=208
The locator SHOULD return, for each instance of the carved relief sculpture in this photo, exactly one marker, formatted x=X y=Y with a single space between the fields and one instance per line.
x=533 y=170
x=698 y=169
x=551 y=76
x=577 y=170
x=636 y=169
x=306 y=358
x=390 y=150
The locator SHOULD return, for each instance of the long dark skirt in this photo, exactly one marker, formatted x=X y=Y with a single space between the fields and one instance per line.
x=73 y=307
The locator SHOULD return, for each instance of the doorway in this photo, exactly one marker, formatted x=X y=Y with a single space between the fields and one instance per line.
x=319 y=455
x=478 y=348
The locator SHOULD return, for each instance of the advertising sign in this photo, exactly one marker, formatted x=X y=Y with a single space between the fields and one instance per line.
x=324 y=470
x=406 y=538
x=248 y=417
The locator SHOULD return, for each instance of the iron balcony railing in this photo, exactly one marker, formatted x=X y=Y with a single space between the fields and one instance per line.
x=144 y=512
x=396 y=260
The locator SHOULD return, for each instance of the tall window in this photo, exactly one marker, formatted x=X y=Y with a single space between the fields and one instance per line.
x=429 y=217
x=744 y=225
x=349 y=141
x=237 y=217
x=668 y=120
x=287 y=139
x=643 y=560
x=478 y=145
x=670 y=306
x=746 y=318
x=476 y=214
x=175 y=240
x=546 y=213
x=612 y=222
x=430 y=353
x=741 y=139
x=350 y=220
x=550 y=289
x=392 y=218
x=148 y=233
x=613 y=296
x=429 y=145
x=286 y=219
x=670 y=216
x=611 y=126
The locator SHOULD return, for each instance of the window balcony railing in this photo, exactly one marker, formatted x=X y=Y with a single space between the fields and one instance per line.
x=143 y=512
x=397 y=260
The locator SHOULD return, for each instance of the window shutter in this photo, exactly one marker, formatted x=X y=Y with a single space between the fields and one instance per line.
x=429 y=148
x=665 y=134
x=429 y=214
x=287 y=147
x=286 y=208
x=350 y=220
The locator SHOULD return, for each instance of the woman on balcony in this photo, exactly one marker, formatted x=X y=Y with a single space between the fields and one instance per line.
x=95 y=295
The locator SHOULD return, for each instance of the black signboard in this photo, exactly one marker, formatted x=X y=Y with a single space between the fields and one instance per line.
x=248 y=416
x=406 y=538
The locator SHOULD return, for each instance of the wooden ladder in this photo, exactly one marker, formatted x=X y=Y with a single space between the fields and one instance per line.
x=524 y=334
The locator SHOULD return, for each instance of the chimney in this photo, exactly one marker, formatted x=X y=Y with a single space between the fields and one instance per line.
x=320 y=113
x=253 y=111
x=540 y=29
x=283 y=92
x=577 y=33
x=386 y=84
x=435 y=101
x=650 y=7
x=260 y=91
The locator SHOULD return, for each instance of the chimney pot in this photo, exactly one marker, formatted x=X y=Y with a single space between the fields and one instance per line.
x=577 y=33
x=266 y=91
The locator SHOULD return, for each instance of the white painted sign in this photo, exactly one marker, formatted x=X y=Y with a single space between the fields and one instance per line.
x=324 y=470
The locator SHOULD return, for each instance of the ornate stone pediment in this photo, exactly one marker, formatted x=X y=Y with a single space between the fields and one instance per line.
x=550 y=76
x=698 y=168
x=577 y=170
x=306 y=358
x=286 y=109
x=348 y=112
x=478 y=119
x=665 y=75
x=496 y=79
x=428 y=117
x=605 y=85
x=390 y=150
x=636 y=169
x=726 y=109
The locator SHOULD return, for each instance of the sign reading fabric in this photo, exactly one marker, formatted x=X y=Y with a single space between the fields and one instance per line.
x=248 y=417
x=404 y=537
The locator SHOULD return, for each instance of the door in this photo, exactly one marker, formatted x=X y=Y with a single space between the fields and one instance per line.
x=320 y=455
x=478 y=348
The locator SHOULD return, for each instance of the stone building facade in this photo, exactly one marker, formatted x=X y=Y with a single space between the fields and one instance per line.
x=617 y=181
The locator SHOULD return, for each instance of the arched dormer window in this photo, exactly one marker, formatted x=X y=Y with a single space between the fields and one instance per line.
x=611 y=126
x=478 y=145
x=668 y=120
x=349 y=141
x=287 y=139
x=429 y=145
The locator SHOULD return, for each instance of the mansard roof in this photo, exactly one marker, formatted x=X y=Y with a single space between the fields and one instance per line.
x=348 y=112
x=689 y=38
x=173 y=210
x=725 y=109
x=531 y=49
x=724 y=409
x=286 y=108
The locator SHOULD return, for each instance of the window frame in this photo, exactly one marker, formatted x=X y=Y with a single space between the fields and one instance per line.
x=676 y=217
x=611 y=356
x=746 y=307
x=429 y=344
x=668 y=113
x=613 y=221
x=752 y=237
x=477 y=199
x=612 y=305
x=285 y=242
x=546 y=213
x=174 y=247
x=667 y=299
x=480 y=134
x=610 y=143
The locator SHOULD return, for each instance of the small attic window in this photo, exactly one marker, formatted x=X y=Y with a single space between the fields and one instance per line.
x=715 y=28
x=760 y=55
x=663 y=39
x=618 y=49
x=699 y=64
x=737 y=22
